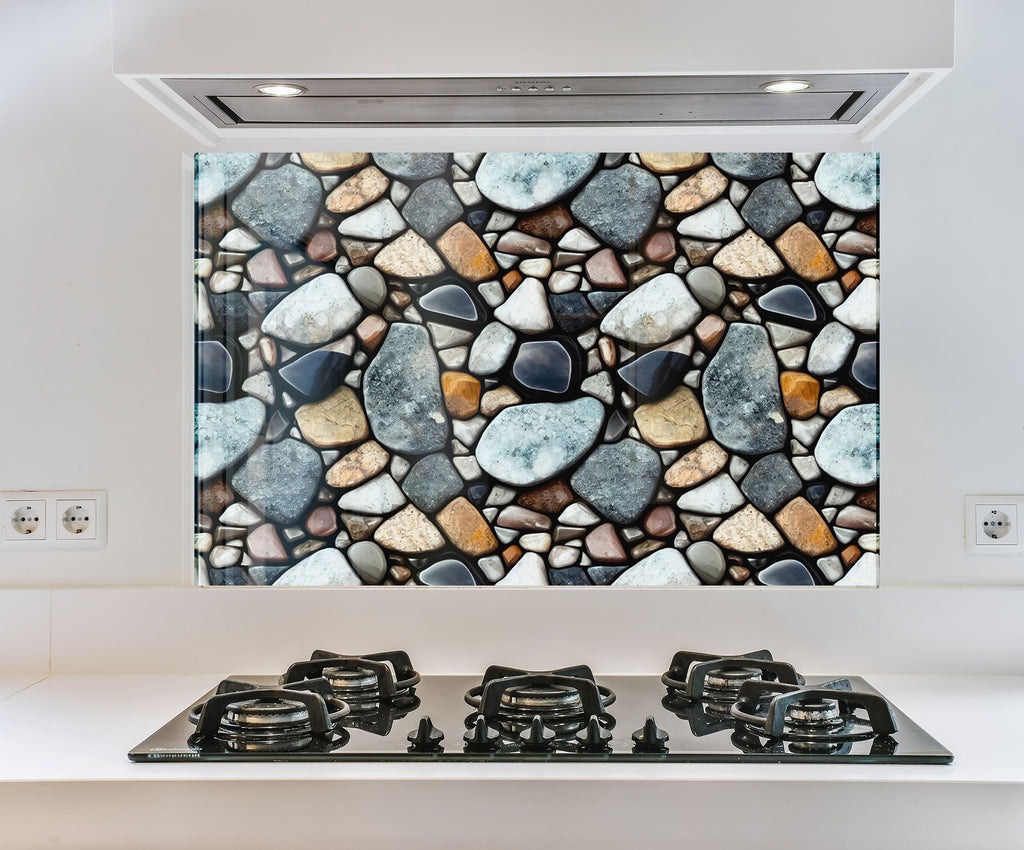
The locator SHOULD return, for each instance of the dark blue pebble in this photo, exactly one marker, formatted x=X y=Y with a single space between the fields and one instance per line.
x=543 y=365
x=450 y=301
x=572 y=312
x=567 y=576
x=604 y=301
x=790 y=301
x=213 y=367
x=656 y=372
x=228 y=577
x=316 y=374
x=865 y=365
x=788 y=572
x=605 y=574
x=234 y=313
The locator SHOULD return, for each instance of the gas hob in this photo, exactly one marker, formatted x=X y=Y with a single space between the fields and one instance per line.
x=705 y=708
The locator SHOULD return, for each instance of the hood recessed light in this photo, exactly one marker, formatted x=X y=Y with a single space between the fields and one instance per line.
x=280 y=90
x=786 y=86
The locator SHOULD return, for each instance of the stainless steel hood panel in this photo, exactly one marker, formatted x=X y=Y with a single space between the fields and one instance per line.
x=493 y=101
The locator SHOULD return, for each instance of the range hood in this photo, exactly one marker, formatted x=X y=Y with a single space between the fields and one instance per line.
x=573 y=64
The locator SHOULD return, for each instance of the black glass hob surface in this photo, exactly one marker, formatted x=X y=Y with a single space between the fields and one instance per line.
x=733 y=709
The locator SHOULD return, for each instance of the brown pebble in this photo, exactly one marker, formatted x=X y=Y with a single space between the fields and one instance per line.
x=697 y=190
x=698 y=526
x=400 y=299
x=869 y=224
x=214 y=222
x=264 y=269
x=268 y=350
x=660 y=521
x=710 y=332
x=511 y=554
x=466 y=253
x=322 y=521
x=660 y=247
x=214 y=497
x=868 y=500
x=805 y=528
x=800 y=394
x=805 y=253
x=400 y=574
x=850 y=555
x=699 y=251
x=604 y=546
x=359 y=251
x=496 y=400
x=548 y=223
x=371 y=331
x=548 y=498
x=642 y=550
x=739 y=299
x=466 y=527
x=360 y=527
x=603 y=270
x=511 y=279
x=850 y=280
x=461 y=394
x=739 y=574
x=322 y=247
x=522 y=245
x=836 y=399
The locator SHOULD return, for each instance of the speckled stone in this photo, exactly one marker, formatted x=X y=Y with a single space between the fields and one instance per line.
x=805 y=253
x=669 y=163
x=835 y=400
x=529 y=181
x=604 y=546
x=280 y=480
x=771 y=208
x=378 y=496
x=771 y=482
x=409 y=256
x=265 y=546
x=527 y=309
x=748 y=531
x=751 y=166
x=337 y=420
x=217 y=173
x=742 y=400
x=618 y=205
x=860 y=310
x=660 y=521
x=620 y=498
x=549 y=223
x=466 y=253
x=717 y=221
x=432 y=208
x=224 y=433
x=357 y=466
x=603 y=270
x=358 y=191
x=325 y=568
x=849 y=180
x=697 y=465
x=805 y=528
x=409 y=531
x=848 y=447
x=697 y=191
x=432 y=482
x=547 y=498
x=413 y=166
x=402 y=393
x=315 y=313
x=830 y=349
x=327 y=163
x=665 y=568
x=719 y=495
x=466 y=527
x=279 y=205
x=654 y=313
x=748 y=257
x=321 y=521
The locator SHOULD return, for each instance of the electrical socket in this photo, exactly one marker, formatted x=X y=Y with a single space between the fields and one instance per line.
x=991 y=525
x=54 y=519
x=24 y=519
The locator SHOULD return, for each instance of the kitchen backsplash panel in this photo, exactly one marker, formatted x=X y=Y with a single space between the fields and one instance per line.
x=536 y=369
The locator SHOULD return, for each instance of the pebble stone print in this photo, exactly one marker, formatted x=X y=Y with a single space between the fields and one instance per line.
x=535 y=369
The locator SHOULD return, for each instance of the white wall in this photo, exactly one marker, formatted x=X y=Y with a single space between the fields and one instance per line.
x=90 y=303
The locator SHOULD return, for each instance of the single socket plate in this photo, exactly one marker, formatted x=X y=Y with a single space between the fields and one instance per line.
x=991 y=525
x=24 y=520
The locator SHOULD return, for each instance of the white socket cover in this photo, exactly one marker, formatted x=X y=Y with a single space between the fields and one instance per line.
x=991 y=525
x=59 y=519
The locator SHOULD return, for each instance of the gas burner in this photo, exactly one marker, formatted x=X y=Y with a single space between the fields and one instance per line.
x=364 y=681
x=812 y=717
x=563 y=699
x=717 y=679
x=242 y=717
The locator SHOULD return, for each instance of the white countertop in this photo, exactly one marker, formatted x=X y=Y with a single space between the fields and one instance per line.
x=68 y=782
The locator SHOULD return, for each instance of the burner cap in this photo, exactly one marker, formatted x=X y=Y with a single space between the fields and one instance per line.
x=349 y=682
x=269 y=714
